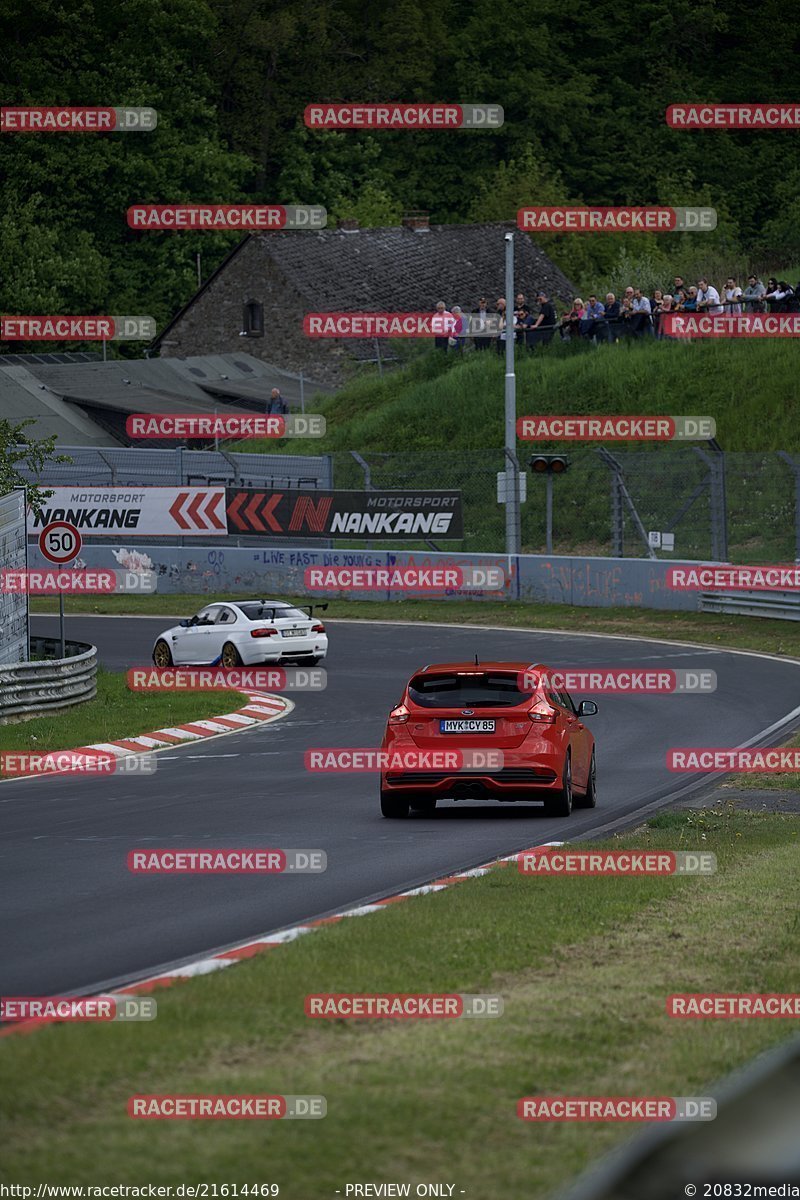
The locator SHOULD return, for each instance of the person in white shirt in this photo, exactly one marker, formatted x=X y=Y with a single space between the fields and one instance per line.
x=707 y=297
x=733 y=296
x=442 y=326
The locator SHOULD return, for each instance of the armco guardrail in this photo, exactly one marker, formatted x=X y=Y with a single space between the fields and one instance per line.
x=753 y=1140
x=782 y=606
x=43 y=684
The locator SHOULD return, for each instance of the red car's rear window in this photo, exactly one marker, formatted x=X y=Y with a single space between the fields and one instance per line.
x=484 y=689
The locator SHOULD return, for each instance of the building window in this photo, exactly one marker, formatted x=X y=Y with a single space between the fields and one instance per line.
x=253 y=319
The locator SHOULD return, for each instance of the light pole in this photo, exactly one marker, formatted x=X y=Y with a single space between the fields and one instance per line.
x=511 y=464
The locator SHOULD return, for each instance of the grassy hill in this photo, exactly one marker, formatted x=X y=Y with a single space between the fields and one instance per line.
x=438 y=422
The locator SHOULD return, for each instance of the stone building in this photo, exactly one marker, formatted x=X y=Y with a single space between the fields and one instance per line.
x=258 y=296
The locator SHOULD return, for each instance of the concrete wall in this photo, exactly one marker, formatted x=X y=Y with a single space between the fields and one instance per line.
x=219 y=571
x=13 y=608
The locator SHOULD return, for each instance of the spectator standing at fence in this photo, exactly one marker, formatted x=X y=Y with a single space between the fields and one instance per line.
x=500 y=340
x=571 y=321
x=521 y=311
x=541 y=330
x=613 y=317
x=678 y=285
x=769 y=294
x=457 y=339
x=276 y=402
x=666 y=309
x=785 y=295
x=441 y=324
x=732 y=295
x=753 y=293
x=641 y=310
x=482 y=341
x=594 y=321
x=708 y=297
x=690 y=300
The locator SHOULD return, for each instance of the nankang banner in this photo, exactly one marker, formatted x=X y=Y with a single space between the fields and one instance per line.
x=136 y=512
x=329 y=514
x=218 y=512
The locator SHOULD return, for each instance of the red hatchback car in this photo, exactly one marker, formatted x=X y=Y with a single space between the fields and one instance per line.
x=547 y=752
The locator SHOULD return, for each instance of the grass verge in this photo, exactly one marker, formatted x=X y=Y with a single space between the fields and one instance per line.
x=115 y=712
x=584 y=967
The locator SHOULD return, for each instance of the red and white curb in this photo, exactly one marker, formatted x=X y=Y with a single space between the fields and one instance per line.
x=269 y=941
x=261 y=708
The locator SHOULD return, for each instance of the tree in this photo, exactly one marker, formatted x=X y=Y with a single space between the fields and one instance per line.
x=19 y=449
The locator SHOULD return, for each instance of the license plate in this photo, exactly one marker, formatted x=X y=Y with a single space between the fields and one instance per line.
x=294 y=632
x=453 y=726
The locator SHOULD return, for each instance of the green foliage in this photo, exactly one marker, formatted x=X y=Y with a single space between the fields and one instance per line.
x=584 y=105
x=17 y=448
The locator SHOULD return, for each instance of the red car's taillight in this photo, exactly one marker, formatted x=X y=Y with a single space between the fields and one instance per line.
x=268 y=631
x=318 y=628
x=544 y=713
x=399 y=715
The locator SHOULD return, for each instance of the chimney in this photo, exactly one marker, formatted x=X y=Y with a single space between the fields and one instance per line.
x=347 y=224
x=417 y=220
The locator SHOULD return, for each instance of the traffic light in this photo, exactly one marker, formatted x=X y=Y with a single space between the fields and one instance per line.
x=549 y=464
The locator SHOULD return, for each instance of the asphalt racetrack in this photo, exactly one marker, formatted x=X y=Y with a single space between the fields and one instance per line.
x=75 y=919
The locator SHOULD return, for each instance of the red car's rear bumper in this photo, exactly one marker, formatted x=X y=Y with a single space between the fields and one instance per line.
x=510 y=783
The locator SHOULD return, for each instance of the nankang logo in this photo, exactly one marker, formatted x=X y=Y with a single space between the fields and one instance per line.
x=397 y=522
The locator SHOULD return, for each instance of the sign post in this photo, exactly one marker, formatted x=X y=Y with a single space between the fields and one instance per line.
x=60 y=543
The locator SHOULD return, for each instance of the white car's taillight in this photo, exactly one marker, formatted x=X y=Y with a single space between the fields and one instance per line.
x=318 y=627
x=267 y=631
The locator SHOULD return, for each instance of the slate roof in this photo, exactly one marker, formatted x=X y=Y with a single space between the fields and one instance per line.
x=405 y=270
x=396 y=269
x=85 y=403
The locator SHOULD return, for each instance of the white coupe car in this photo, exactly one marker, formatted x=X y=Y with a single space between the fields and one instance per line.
x=244 y=633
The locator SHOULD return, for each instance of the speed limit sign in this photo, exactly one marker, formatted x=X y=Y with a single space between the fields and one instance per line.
x=60 y=542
